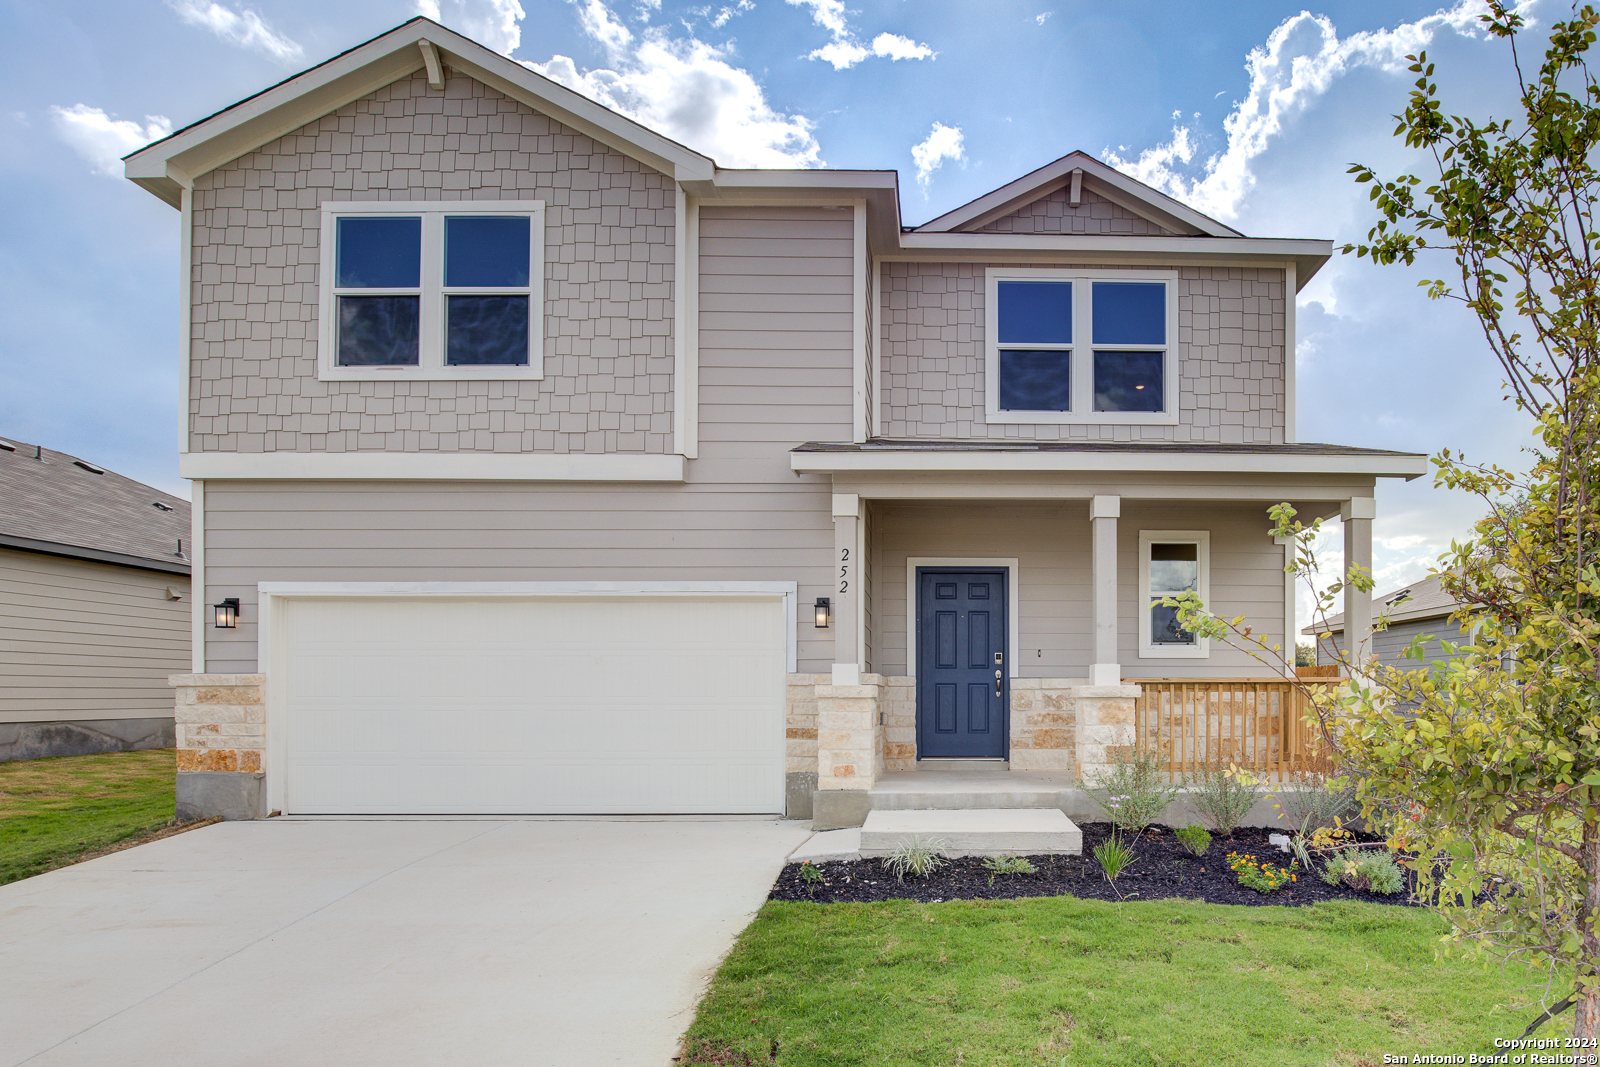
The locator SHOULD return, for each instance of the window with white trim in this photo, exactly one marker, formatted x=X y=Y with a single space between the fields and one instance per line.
x=432 y=290
x=1171 y=562
x=1080 y=346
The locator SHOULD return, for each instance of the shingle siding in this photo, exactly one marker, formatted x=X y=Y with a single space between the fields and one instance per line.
x=1054 y=213
x=609 y=244
x=1230 y=333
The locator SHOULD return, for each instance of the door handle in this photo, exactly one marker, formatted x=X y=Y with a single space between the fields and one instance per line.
x=996 y=683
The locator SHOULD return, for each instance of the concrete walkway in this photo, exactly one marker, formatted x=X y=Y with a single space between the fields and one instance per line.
x=381 y=942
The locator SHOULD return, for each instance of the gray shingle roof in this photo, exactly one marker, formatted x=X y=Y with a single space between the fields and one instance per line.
x=1424 y=599
x=53 y=502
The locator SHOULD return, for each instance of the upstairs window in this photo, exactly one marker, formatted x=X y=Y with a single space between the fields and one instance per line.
x=1076 y=346
x=432 y=290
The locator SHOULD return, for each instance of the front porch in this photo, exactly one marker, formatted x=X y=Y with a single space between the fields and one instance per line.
x=1001 y=602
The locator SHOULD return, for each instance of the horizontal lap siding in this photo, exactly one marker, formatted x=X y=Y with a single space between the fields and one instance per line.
x=1052 y=548
x=81 y=640
x=775 y=368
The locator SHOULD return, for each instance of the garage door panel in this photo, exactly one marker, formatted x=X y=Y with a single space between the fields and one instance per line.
x=553 y=706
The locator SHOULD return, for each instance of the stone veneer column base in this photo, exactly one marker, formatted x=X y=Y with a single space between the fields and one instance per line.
x=1105 y=722
x=221 y=735
x=1044 y=724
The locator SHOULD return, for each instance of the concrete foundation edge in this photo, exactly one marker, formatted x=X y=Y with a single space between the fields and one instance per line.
x=84 y=737
x=839 y=809
x=797 y=789
x=230 y=794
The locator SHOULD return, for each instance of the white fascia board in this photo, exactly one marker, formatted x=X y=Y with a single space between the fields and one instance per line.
x=247 y=125
x=1407 y=467
x=431 y=466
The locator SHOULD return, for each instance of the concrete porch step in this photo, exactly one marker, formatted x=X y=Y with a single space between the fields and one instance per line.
x=972 y=831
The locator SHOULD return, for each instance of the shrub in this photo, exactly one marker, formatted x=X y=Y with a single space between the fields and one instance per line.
x=1262 y=877
x=1314 y=799
x=1136 y=790
x=1008 y=865
x=1194 y=838
x=916 y=858
x=1374 y=871
x=1223 y=796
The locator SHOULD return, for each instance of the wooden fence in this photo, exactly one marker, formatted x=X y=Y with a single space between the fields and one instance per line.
x=1208 y=722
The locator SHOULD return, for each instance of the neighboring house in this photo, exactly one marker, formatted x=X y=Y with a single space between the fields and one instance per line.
x=94 y=606
x=554 y=468
x=1421 y=609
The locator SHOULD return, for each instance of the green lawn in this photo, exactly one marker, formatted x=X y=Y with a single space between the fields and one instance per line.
x=1061 y=981
x=53 y=811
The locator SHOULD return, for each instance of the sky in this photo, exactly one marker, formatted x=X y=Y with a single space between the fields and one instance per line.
x=1249 y=111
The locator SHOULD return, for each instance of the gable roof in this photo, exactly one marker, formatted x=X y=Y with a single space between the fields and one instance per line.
x=1412 y=603
x=170 y=165
x=1126 y=192
x=166 y=166
x=66 y=506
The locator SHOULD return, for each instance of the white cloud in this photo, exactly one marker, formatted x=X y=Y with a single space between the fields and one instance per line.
x=894 y=46
x=687 y=90
x=495 y=24
x=844 y=51
x=1042 y=18
x=942 y=144
x=103 y=140
x=720 y=19
x=244 y=28
x=1301 y=60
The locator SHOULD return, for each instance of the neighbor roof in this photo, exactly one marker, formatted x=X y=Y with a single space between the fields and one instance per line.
x=66 y=506
x=1425 y=599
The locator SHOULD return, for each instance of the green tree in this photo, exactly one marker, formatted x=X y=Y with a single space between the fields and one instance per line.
x=1488 y=767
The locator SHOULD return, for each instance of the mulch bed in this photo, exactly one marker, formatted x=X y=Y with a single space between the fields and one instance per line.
x=1162 y=868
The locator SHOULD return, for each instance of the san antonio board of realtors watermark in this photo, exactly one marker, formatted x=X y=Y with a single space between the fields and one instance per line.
x=1519 y=1050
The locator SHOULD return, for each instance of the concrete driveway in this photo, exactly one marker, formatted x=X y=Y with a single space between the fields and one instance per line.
x=381 y=942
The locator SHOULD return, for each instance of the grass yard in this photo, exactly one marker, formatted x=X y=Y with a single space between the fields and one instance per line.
x=55 y=811
x=1062 y=981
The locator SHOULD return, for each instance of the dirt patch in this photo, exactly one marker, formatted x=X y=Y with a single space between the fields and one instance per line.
x=1162 y=868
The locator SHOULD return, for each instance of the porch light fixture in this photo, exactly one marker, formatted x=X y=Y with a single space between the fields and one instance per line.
x=228 y=614
x=824 y=612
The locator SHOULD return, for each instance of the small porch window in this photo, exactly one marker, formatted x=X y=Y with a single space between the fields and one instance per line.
x=1171 y=562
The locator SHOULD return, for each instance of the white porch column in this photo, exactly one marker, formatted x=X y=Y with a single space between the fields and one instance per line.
x=846 y=589
x=1358 y=514
x=1103 y=514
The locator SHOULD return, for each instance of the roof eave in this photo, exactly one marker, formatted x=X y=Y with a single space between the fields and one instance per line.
x=1116 y=186
x=95 y=555
x=1404 y=466
x=203 y=146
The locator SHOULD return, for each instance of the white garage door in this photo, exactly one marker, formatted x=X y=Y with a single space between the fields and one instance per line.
x=553 y=706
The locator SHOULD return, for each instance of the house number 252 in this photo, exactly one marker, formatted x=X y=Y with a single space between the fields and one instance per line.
x=844 y=571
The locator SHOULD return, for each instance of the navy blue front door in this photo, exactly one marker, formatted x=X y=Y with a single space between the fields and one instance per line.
x=961 y=663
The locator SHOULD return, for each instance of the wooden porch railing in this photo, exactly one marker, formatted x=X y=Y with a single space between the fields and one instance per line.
x=1208 y=722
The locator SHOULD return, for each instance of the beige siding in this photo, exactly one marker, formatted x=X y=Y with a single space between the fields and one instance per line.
x=1051 y=546
x=609 y=246
x=1054 y=213
x=81 y=640
x=775 y=370
x=1230 y=358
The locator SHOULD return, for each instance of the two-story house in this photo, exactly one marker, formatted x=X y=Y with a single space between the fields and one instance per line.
x=542 y=465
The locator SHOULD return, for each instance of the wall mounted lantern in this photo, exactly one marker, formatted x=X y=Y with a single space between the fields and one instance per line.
x=228 y=613
x=824 y=612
